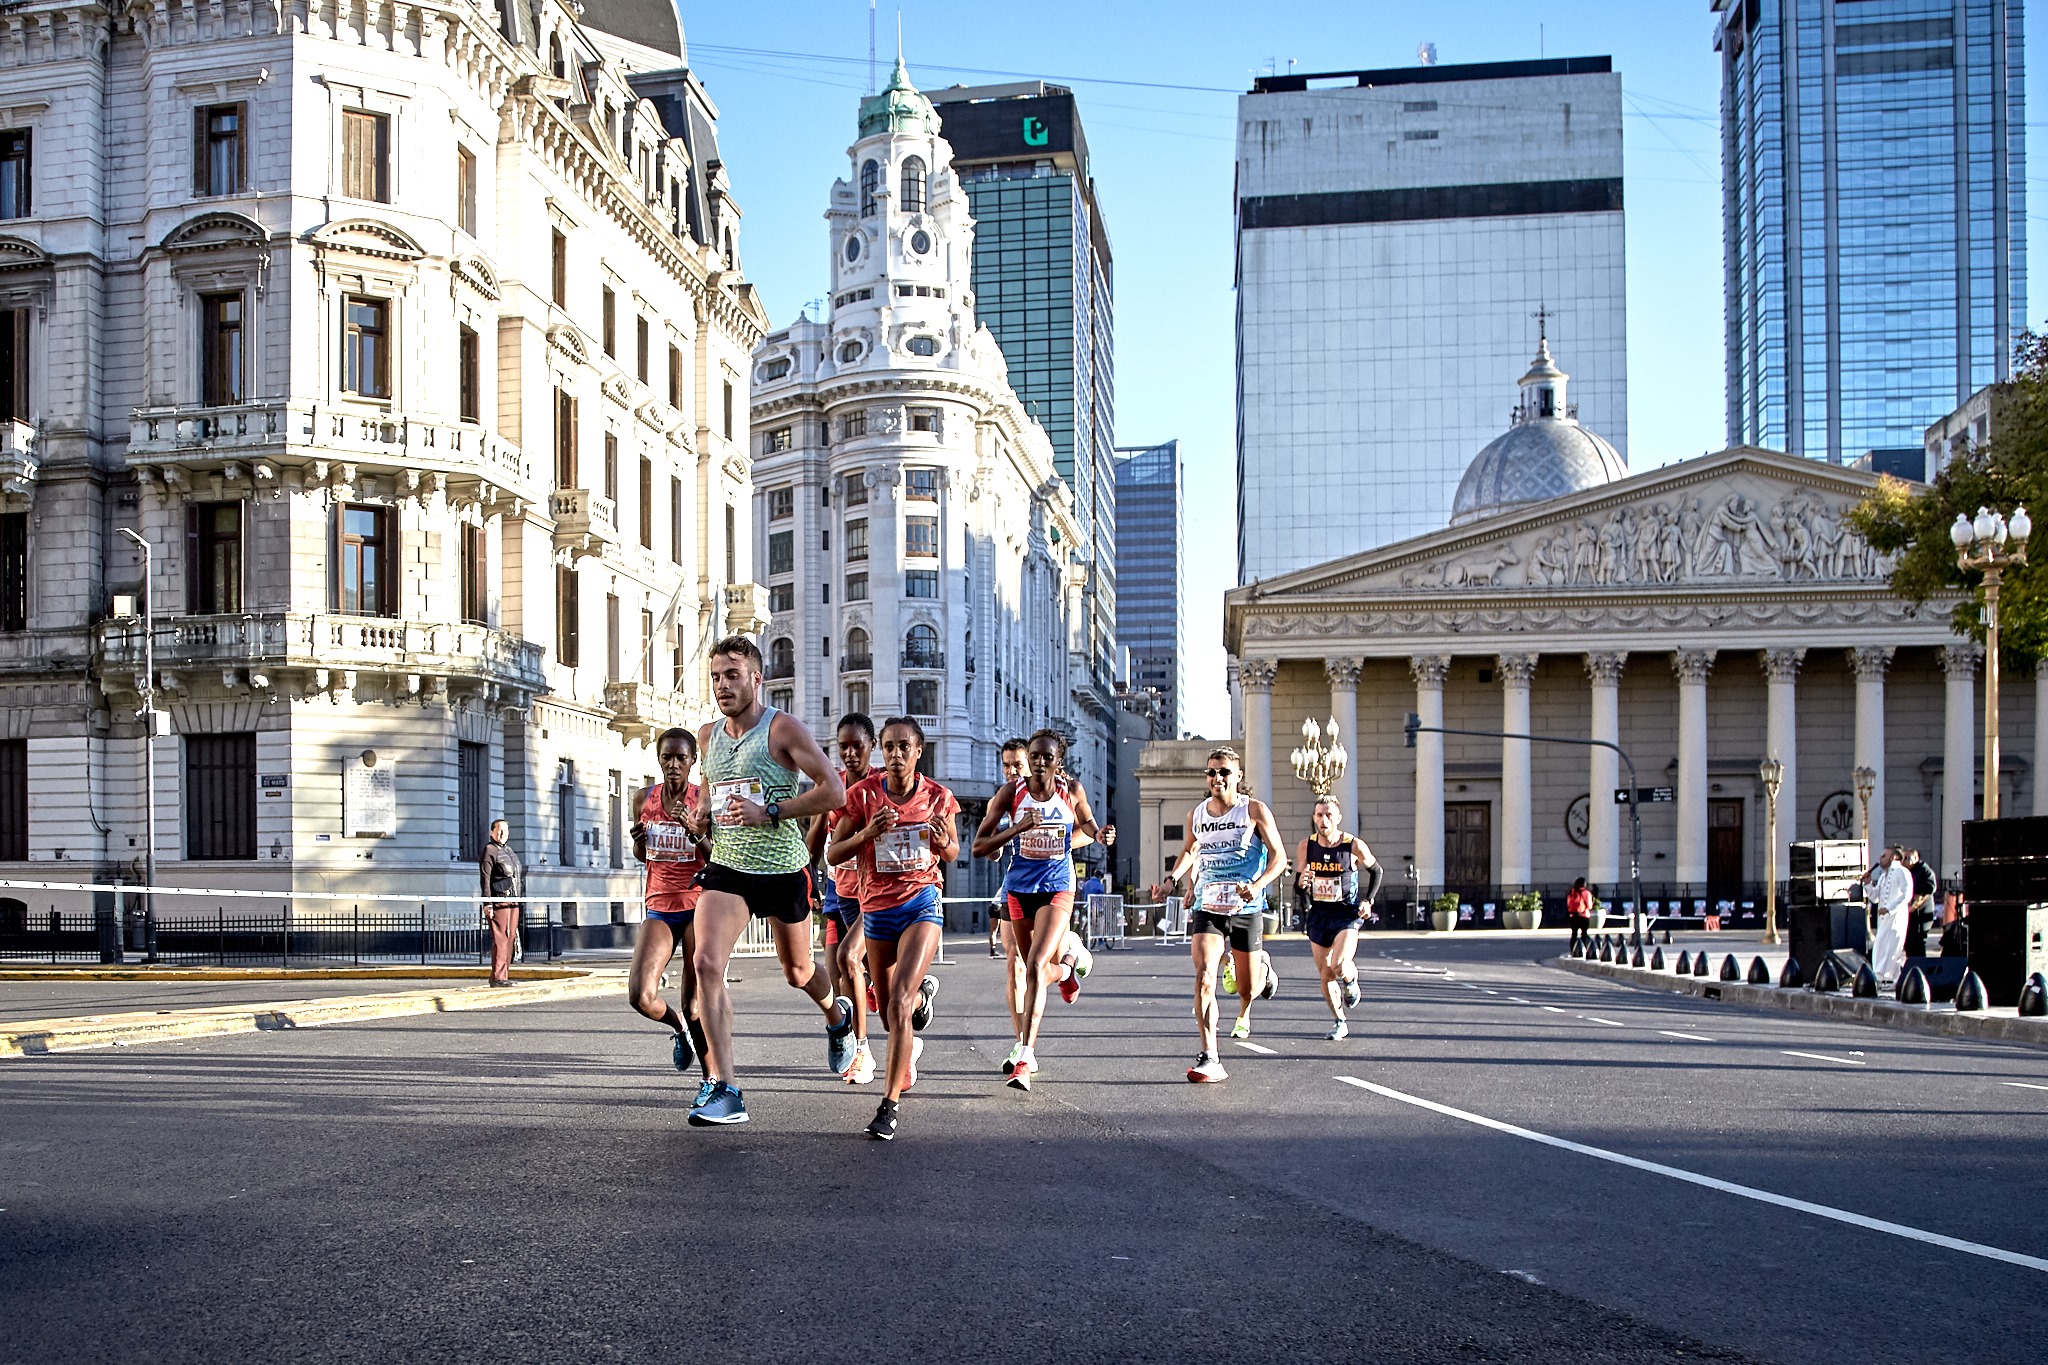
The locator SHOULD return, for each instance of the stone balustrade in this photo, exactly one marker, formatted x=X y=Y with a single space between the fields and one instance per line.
x=269 y=642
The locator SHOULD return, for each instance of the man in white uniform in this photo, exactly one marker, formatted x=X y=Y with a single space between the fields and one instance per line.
x=1891 y=891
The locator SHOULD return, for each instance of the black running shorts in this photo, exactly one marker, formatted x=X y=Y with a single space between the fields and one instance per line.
x=1244 y=931
x=784 y=896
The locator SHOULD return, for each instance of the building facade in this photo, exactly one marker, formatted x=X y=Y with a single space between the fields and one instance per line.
x=1874 y=199
x=1149 y=579
x=1396 y=231
x=416 y=352
x=921 y=552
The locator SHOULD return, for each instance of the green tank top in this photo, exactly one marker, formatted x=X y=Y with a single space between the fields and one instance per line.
x=744 y=767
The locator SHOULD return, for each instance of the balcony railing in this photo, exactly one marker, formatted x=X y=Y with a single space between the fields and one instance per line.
x=777 y=670
x=746 y=608
x=924 y=658
x=641 y=710
x=265 y=642
x=856 y=663
x=585 y=521
x=17 y=456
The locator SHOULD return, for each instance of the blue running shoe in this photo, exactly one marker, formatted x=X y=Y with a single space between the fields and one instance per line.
x=722 y=1105
x=684 y=1053
x=839 y=1041
x=704 y=1092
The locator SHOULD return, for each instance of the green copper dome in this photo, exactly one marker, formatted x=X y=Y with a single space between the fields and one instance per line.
x=898 y=109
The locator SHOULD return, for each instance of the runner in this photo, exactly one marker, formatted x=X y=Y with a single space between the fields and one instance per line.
x=1235 y=849
x=1330 y=861
x=759 y=864
x=1000 y=927
x=845 y=945
x=1048 y=810
x=664 y=841
x=898 y=827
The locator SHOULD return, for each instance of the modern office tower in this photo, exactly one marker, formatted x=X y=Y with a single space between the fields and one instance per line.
x=1043 y=283
x=916 y=544
x=1149 y=577
x=1873 y=173
x=1396 y=232
x=416 y=353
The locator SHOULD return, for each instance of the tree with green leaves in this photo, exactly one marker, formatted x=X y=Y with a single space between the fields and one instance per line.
x=2009 y=470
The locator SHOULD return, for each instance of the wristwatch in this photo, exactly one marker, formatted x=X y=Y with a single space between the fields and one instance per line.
x=774 y=809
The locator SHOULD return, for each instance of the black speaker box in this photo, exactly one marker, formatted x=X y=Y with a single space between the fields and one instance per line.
x=1943 y=974
x=1817 y=930
x=2008 y=943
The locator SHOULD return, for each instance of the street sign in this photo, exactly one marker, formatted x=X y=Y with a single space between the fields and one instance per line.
x=1645 y=795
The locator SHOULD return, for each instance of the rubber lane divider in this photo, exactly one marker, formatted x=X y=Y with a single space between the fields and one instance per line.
x=1857 y=1220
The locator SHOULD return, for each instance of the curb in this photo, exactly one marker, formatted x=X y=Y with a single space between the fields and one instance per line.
x=1941 y=1019
x=41 y=1037
x=66 y=973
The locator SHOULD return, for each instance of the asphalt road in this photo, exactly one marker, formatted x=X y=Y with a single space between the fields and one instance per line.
x=520 y=1185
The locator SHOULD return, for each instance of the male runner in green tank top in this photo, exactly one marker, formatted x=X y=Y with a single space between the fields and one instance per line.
x=760 y=863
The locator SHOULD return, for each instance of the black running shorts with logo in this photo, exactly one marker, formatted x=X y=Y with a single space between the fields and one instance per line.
x=1244 y=931
x=784 y=896
x=1327 y=920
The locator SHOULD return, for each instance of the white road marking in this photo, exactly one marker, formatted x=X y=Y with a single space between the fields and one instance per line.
x=1522 y=1275
x=2024 y=1086
x=1555 y=1010
x=1709 y=1182
x=1689 y=1037
x=1518 y=1000
x=1596 y=1019
x=1254 y=1047
x=1821 y=1057
x=1493 y=992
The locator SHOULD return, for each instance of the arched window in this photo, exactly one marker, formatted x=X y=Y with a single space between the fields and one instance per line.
x=858 y=654
x=870 y=181
x=913 y=185
x=555 y=62
x=782 y=658
x=921 y=647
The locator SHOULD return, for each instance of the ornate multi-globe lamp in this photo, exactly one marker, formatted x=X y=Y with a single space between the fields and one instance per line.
x=1319 y=761
x=1990 y=545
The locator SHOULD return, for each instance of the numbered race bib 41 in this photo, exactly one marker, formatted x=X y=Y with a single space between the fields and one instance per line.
x=1221 y=897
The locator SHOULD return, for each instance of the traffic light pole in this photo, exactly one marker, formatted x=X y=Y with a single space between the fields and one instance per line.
x=1415 y=727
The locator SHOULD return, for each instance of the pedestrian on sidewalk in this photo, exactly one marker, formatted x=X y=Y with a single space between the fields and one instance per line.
x=1578 y=909
x=501 y=881
x=1921 y=912
x=1891 y=891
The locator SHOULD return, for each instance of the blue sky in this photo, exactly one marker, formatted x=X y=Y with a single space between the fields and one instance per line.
x=1157 y=84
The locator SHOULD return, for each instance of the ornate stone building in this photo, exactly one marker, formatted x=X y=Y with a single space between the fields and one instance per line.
x=413 y=341
x=918 y=546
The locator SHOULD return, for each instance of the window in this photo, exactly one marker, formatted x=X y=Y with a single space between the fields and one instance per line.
x=366 y=155
x=14 y=571
x=647 y=647
x=367 y=563
x=782 y=698
x=611 y=323
x=213 y=557
x=469 y=362
x=615 y=820
x=857 y=697
x=221 y=349
x=921 y=535
x=913 y=185
x=856 y=587
x=856 y=541
x=854 y=424
x=921 y=583
x=568 y=837
x=560 y=66
x=565 y=440
x=646 y=503
x=643 y=349
x=781 y=552
x=14 y=364
x=921 y=648
x=465 y=190
x=921 y=483
x=776 y=369
x=472 y=799
x=849 y=353
x=728 y=409
x=611 y=465
x=16 y=156
x=568 y=618
x=732 y=545
x=856 y=490
x=924 y=345
x=858 y=655
x=558 y=268
x=476 y=576
x=675 y=377
x=781 y=504
x=1173 y=833
x=13 y=800
x=220 y=154
x=1407 y=107
x=782 y=598
x=1419 y=135
x=675 y=520
x=782 y=658
x=870 y=181
x=612 y=642
x=924 y=419
x=921 y=697
x=220 y=796
x=778 y=440
x=366 y=347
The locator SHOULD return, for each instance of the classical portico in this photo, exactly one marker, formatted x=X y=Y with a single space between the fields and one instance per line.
x=1704 y=616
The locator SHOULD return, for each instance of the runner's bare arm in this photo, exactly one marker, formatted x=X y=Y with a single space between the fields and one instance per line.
x=1276 y=851
x=792 y=746
x=1301 y=861
x=1085 y=828
x=851 y=834
x=987 y=838
x=945 y=832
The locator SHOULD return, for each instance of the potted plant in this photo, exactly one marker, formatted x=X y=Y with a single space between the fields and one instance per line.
x=1443 y=912
x=1524 y=910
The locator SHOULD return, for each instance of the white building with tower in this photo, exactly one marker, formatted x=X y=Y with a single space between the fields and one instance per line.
x=918 y=546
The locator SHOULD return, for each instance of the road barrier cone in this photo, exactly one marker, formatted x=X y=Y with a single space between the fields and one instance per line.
x=1731 y=970
x=1635 y=939
x=1577 y=950
x=1606 y=951
x=1865 y=987
x=1699 y=963
x=1793 y=975
x=1912 y=987
x=1684 y=963
x=1970 y=996
x=1656 y=959
x=1828 y=979
x=1667 y=938
x=1759 y=974
x=1636 y=958
x=2034 y=997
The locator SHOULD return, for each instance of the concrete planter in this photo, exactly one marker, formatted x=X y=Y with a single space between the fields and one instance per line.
x=1443 y=921
x=1521 y=919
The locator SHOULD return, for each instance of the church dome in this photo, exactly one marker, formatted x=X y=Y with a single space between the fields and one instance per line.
x=900 y=108
x=1545 y=454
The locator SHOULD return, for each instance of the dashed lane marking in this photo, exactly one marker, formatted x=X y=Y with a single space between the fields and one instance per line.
x=1254 y=1047
x=2024 y=1086
x=1709 y=1182
x=1689 y=1037
x=1823 y=1057
x=1554 y=1009
x=1596 y=1019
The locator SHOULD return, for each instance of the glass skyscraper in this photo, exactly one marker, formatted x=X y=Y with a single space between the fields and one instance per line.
x=1149 y=576
x=1874 y=185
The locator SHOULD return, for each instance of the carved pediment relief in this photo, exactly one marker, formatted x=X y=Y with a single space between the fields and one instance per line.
x=475 y=272
x=569 y=342
x=215 y=232
x=367 y=237
x=619 y=389
x=16 y=254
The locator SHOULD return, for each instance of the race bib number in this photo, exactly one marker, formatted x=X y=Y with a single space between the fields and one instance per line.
x=901 y=850
x=1221 y=898
x=1043 y=842
x=1326 y=888
x=670 y=844
x=746 y=788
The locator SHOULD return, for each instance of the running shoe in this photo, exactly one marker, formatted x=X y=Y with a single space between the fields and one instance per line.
x=1242 y=1028
x=1070 y=984
x=916 y=1051
x=873 y=1008
x=683 y=1053
x=1340 y=1029
x=922 y=1013
x=1350 y=991
x=1229 y=977
x=882 y=1126
x=839 y=1039
x=704 y=1091
x=1207 y=1068
x=1020 y=1074
x=1272 y=986
x=722 y=1105
x=862 y=1069
x=1016 y=1056
x=1084 y=962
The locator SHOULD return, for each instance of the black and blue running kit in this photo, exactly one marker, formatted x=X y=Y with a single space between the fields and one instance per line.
x=1334 y=902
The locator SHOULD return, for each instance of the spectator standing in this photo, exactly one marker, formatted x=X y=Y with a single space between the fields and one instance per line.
x=1921 y=911
x=1891 y=891
x=501 y=881
x=1578 y=909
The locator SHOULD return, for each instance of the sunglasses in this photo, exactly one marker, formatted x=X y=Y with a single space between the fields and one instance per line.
x=1219 y=772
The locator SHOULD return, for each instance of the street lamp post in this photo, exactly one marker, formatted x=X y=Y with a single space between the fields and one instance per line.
x=147 y=715
x=1866 y=787
x=1319 y=761
x=1773 y=774
x=1983 y=545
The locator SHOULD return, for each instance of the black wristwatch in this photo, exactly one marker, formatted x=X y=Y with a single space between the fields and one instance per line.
x=774 y=809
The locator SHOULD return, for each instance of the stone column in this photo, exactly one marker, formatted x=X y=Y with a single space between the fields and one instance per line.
x=1517 y=671
x=1343 y=676
x=1429 y=671
x=1870 y=663
x=1781 y=740
x=1256 y=676
x=1958 y=754
x=1603 y=817
x=1692 y=666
